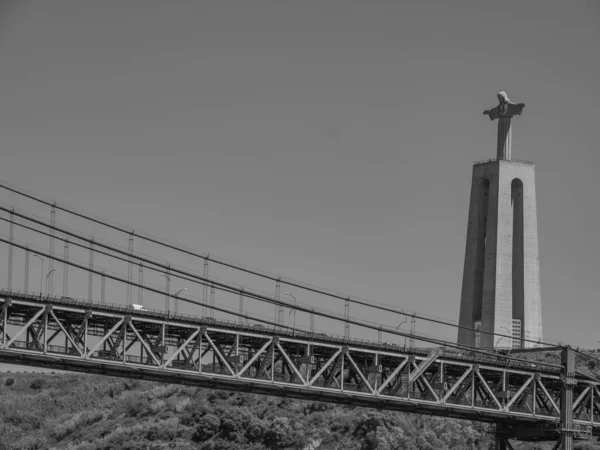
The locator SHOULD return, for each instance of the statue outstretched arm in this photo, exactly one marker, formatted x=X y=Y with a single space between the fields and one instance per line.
x=493 y=113
x=507 y=110
x=515 y=109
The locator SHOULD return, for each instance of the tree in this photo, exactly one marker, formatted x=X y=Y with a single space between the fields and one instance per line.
x=279 y=434
x=256 y=430
x=207 y=427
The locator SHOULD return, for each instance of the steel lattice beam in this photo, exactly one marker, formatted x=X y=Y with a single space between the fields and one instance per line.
x=119 y=341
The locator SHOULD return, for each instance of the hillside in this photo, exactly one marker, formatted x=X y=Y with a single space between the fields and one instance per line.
x=74 y=411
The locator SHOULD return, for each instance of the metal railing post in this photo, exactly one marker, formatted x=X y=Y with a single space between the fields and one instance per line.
x=66 y=270
x=212 y=300
x=11 y=237
x=50 y=285
x=26 y=284
x=91 y=278
x=205 y=287
x=103 y=288
x=278 y=316
x=347 y=317
x=130 y=270
x=168 y=291
x=413 y=326
x=141 y=283
x=241 y=318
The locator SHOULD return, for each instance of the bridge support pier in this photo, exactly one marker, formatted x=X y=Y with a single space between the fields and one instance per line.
x=502 y=443
x=564 y=431
x=566 y=398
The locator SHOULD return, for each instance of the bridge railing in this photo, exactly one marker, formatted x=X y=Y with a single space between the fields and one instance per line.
x=460 y=355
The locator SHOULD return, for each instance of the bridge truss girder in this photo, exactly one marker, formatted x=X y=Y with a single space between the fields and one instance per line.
x=204 y=352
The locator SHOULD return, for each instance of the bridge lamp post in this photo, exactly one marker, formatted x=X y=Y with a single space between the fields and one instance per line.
x=50 y=273
x=168 y=291
x=398 y=327
x=503 y=337
x=41 y=273
x=176 y=295
x=292 y=310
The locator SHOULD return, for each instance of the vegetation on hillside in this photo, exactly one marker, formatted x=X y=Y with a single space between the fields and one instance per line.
x=39 y=411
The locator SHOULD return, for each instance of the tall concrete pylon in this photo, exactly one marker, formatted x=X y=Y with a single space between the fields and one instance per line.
x=501 y=282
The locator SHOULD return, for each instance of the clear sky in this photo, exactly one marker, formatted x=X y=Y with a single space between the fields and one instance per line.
x=329 y=141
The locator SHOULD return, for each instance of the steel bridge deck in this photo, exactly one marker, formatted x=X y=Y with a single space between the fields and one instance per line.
x=83 y=336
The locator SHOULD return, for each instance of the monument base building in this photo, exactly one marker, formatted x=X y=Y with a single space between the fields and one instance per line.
x=500 y=301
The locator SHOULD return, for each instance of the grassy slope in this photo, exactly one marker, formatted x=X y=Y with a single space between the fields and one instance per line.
x=89 y=412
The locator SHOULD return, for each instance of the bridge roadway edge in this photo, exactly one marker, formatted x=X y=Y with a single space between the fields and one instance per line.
x=525 y=429
x=511 y=425
x=299 y=393
x=189 y=320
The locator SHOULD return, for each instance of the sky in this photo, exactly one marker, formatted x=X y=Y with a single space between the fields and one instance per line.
x=327 y=141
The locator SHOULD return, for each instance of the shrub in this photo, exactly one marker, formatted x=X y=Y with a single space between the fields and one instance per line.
x=38 y=383
x=9 y=382
x=217 y=396
x=587 y=445
x=160 y=433
x=114 y=390
x=166 y=391
x=135 y=406
x=77 y=421
x=32 y=442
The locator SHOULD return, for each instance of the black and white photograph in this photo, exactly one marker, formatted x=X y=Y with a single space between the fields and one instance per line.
x=299 y=225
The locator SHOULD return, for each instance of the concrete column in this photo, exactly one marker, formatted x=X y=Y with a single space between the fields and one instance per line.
x=472 y=283
x=532 y=322
x=488 y=299
x=503 y=284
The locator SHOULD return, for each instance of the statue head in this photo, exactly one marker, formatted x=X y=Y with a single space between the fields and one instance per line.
x=502 y=97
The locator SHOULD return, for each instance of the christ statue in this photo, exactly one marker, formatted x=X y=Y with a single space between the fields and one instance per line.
x=504 y=113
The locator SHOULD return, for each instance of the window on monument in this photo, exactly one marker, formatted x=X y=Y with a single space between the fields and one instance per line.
x=516 y=333
x=477 y=334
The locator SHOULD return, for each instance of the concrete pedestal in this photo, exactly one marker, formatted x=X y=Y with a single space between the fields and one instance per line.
x=501 y=283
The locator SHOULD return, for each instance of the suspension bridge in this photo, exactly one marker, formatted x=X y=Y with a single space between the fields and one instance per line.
x=223 y=339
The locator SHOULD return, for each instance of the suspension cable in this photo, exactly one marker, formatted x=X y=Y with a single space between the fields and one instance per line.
x=250 y=294
x=237 y=266
x=363 y=324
